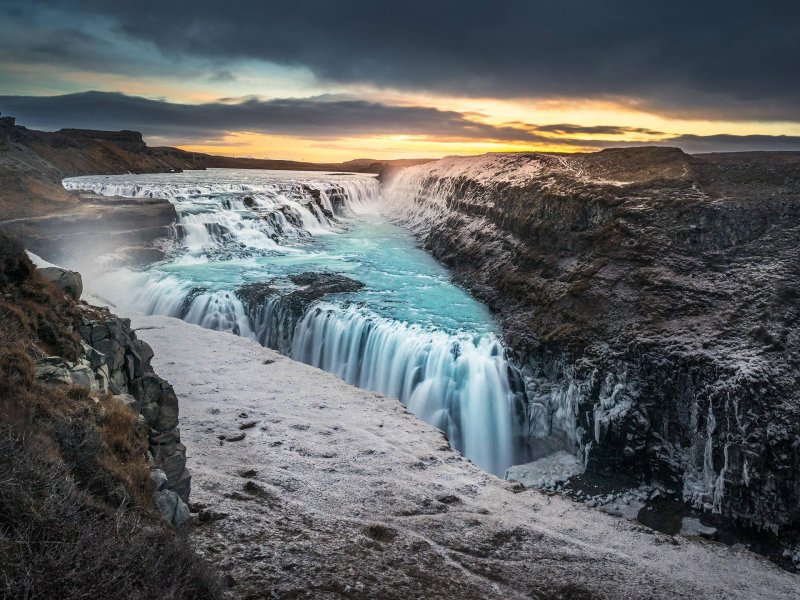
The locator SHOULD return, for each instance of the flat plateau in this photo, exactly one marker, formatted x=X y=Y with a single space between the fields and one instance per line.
x=340 y=492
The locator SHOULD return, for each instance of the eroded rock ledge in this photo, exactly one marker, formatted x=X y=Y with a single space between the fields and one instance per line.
x=275 y=306
x=652 y=297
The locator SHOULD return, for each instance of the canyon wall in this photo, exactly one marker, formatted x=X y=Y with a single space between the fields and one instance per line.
x=652 y=298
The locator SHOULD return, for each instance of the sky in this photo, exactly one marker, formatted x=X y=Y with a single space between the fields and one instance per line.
x=332 y=80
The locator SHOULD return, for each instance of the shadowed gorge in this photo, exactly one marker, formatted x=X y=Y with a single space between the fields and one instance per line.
x=543 y=342
x=648 y=293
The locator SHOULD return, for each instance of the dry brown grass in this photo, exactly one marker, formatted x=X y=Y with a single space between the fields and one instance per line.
x=76 y=501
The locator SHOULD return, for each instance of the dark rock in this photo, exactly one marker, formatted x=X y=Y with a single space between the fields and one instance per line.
x=182 y=485
x=129 y=401
x=251 y=487
x=449 y=499
x=142 y=355
x=654 y=291
x=380 y=533
x=172 y=508
x=275 y=327
x=159 y=478
x=123 y=361
x=209 y=516
x=167 y=408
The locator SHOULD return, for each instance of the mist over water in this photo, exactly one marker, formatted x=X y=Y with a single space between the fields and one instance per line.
x=408 y=333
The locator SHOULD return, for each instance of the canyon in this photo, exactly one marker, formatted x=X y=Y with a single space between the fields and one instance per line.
x=640 y=330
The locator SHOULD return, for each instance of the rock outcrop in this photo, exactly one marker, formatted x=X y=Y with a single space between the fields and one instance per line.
x=120 y=364
x=111 y=359
x=67 y=281
x=651 y=298
x=275 y=307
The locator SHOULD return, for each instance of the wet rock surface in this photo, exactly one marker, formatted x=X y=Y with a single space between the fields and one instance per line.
x=276 y=306
x=340 y=492
x=651 y=297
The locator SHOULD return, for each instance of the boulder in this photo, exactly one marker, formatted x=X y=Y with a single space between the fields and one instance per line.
x=173 y=510
x=159 y=478
x=182 y=485
x=82 y=375
x=129 y=401
x=53 y=373
x=67 y=281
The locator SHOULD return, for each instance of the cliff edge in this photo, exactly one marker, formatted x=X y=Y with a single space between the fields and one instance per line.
x=652 y=299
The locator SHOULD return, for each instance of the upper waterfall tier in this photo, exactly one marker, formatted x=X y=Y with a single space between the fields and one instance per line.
x=354 y=189
x=243 y=211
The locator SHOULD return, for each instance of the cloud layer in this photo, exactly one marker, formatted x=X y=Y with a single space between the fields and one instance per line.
x=329 y=117
x=720 y=58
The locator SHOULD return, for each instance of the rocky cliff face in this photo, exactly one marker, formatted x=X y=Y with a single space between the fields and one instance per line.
x=114 y=360
x=652 y=299
x=100 y=353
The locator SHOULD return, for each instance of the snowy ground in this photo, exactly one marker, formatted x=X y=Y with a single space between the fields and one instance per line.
x=339 y=492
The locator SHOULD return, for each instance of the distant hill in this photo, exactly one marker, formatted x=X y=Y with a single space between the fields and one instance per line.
x=33 y=163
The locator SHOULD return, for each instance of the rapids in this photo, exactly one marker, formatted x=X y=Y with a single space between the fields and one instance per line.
x=408 y=333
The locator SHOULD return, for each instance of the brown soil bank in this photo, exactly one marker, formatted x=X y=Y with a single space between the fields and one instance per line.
x=653 y=299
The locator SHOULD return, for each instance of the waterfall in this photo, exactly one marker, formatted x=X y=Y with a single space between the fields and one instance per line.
x=459 y=384
x=238 y=228
x=243 y=211
x=425 y=199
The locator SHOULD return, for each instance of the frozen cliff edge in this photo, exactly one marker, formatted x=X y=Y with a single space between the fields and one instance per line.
x=652 y=297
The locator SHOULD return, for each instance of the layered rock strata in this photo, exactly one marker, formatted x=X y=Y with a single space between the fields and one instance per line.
x=652 y=299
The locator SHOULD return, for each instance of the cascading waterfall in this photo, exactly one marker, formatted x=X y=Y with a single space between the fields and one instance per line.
x=409 y=333
x=459 y=384
x=242 y=211
x=421 y=198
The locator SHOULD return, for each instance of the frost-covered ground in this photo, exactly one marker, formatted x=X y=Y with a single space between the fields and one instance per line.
x=339 y=492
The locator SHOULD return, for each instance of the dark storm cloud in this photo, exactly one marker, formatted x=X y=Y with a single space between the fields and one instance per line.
x=324 y=117
x=570 y=129
x=713 y=58
x=313 y=117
